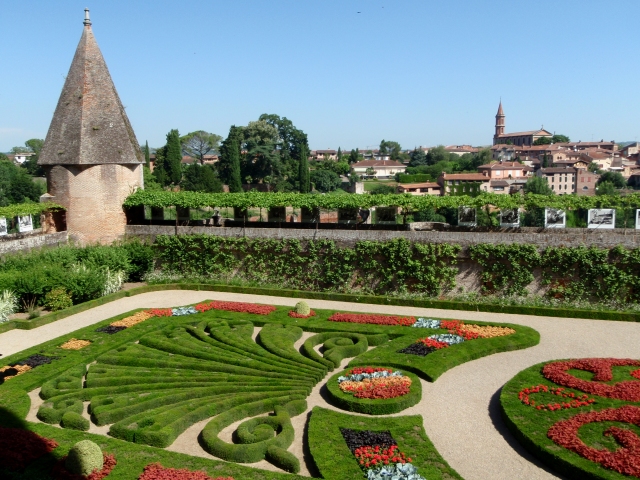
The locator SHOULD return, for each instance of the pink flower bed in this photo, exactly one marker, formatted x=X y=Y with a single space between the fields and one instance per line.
x=155 y=471
x=236 y=307
x=294 y=314
x=372 y=319
x=18 y=448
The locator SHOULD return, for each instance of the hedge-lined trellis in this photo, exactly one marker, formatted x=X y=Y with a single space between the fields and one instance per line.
x=23 y=209
x=405 y=201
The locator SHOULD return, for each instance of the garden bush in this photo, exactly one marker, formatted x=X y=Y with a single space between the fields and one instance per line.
x=302 y=308
x=84 y=458
x=337 y=346
x=57 y=299
x=74 y=421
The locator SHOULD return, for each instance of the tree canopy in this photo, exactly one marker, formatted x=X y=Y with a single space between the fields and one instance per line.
x=325 y=180
x=615 y=178
x=200 y=143
x=16 y=186
x=538 y=185
x=390 y=148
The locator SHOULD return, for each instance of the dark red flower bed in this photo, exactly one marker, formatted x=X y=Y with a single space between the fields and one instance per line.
x=419 y=349
x=575 y=401
x=61 y=473
x=372 y=319
x=18 y=448
x=155 y=471
x=110 y=329
x=160 y=312
x=625 y=460
x=361 y=438
x=294 y=314
x=431 y=343
x=236 y=307
x=601 y=369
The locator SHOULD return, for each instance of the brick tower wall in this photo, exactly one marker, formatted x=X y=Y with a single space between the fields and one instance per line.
x=93 y=196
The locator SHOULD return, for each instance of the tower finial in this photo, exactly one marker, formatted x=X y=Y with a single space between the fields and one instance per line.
x=87 y=20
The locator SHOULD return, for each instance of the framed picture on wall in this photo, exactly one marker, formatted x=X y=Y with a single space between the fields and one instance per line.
x=555 y=218
x=510 y=217
x=3 y=226
x=467 y=216
x=602 y=218
x=25 y=224
x=637 y=219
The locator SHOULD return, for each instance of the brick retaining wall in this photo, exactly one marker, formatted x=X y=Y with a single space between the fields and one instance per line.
x=26 y=241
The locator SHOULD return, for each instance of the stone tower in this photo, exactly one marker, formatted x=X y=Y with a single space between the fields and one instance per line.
x=91 y=156
x=499 y=124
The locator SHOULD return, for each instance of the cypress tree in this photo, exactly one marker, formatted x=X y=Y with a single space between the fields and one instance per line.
x=303 y=170
x=147 y=157
x=235 y=182
x=339 y=154
x=173 y=157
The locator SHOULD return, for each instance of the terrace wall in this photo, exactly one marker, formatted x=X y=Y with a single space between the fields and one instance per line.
x=26 y=241
x=569 y=237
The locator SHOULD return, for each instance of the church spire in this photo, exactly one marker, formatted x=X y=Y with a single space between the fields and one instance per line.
x=499 y=124
x=87 y=20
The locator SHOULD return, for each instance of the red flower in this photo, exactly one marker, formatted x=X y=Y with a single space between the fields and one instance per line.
x=372 y=319
x=160 y=312
x=236 y=307
x=293 y=314
x=155 y=471
x=18 y=448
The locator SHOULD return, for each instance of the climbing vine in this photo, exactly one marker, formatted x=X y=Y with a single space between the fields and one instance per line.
x=506 y=269
x=27 y=209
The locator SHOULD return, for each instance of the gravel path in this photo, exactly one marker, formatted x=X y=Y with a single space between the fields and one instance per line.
x=460 y=409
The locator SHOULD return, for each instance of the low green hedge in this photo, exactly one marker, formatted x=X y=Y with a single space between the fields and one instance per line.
x=386 y=406
x=337 y=346
x=74 y=421
x=334 y=460
x=530 y=426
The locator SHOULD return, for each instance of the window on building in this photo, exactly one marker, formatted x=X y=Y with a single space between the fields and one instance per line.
x=585 y=188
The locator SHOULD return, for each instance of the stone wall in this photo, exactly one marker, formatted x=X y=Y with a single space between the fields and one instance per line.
x=571 y=237
x=26 y=241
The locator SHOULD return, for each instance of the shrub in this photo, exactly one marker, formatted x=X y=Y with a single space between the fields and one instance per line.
x=84 y=283
x=57 y=299
x=141 y=259
x=302 y=308
x=84 y=457
x=8 y=304
x=113 y=281
x=74 y=421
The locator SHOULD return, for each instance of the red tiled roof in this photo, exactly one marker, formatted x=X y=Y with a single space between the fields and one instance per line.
x=419 y=185
x=464 y=176
x=377 y=163
x=502 y=166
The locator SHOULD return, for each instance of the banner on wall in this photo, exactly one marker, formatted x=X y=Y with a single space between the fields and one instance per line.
x=510 y=217
x=3 y=226
x=554 y=218
x=25 y=224
x=602 y=218
x=467 y=217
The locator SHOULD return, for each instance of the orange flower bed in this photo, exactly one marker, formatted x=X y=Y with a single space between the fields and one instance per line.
x=133 y=319
x=75 y=344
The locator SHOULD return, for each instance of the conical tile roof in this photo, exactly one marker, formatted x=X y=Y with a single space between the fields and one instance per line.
x=89 y=126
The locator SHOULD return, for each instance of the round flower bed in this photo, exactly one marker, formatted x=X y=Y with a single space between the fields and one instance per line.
x=374 y=390
x=580 y=416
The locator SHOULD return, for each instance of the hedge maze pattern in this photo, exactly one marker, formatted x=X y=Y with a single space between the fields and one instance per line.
x=152 y=381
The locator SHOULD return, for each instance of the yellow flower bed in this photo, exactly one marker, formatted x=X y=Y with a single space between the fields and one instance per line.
x=20 y=368
x=487 y=331
x=75 y=344
x=132 y=320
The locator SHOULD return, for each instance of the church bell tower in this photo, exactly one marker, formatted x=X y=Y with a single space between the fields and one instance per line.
x=499 y=124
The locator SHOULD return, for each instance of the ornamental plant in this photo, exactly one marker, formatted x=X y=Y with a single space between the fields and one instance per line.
x=236 y=307
x=8 y=305
x=372 y=319
x=57 y=299
x=84 y=458
x=375 y=383
x=155 y=471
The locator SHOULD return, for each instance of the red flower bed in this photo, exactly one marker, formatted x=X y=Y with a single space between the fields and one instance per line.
x=430 y=342
x=18 y=448
x=61 y=473
x=155 y=471
x=382 y=391
x=372 y=319
x=160 y=312
x=294 y=314
x=359 y=370
x=376 y=456
x=601 y=368
x=576 y=401
x=236 y=307
x=625 y=460
x=450 y=324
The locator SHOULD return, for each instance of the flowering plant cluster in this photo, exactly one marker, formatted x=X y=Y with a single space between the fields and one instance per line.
x=426 y=323
x=372 y=319
x=431 y=343
x=386 y=463
x=179 y=311
x=576 y=401
x=625 y=460
x=294 y=314
x=601 y=369
x=448 y=338
x=155 y=471
x=236 y=307
x=160 y=312
x=468 y=332
x=18 y=448
x=375 y=383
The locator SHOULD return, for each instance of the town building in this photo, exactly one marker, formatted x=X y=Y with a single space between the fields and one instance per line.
x=377 y=168
x=518 y=138
x=91 y=157
x=562 y=180
x=426 y=188
x=463 y=183
x=505 y=170
x=20 y=158
x=586 y=182
x=461 y=149
x=323 y=155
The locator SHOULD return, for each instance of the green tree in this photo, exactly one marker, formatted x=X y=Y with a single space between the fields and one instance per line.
x=34 y=145
x=560 y=139
x=16 y=186
x=418 y=157
x=339 y=156
x=200 y=143
x=542 y=141
x=439 y=154
x=545 y=161
x=606 y=188
x=303 y=172
x=150 y=180
x=354 y=156
x=229 y=162
x=615 y=178
x=390 y=148
x=325 y=180
x=594 y=168
x=147 y=155
x=538 y=185
x=173 y=157
x=201 y=178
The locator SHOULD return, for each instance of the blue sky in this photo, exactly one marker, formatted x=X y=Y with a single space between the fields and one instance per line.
x=419 y=72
